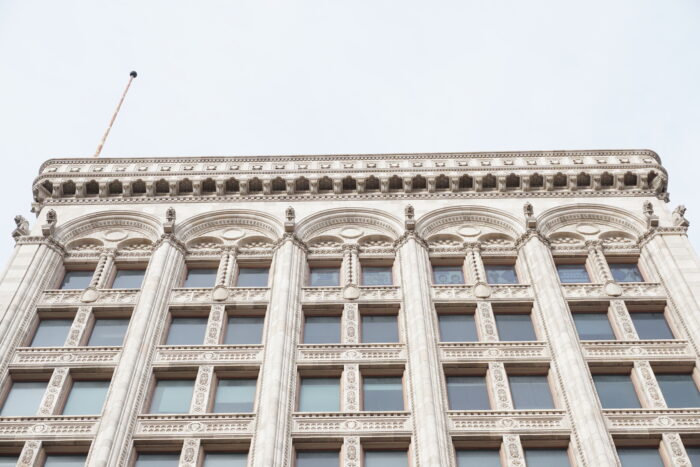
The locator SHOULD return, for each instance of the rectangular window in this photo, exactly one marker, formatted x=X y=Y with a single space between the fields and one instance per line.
x=640 y=457
x=252 y=277
x=319 y=395
x=530 y=392
x=379 y=328
x=128 y=279
x=679 y=390
x=244 y=330
x=377 y=275
x=626 y=272
x=573 y=273
x=616 y=391
x=8 y=461
x=547 y=457
x=23 y=399
x=501 y=274
x=382 y=394
x=108 y=332
x=324 y=277
x=225 y=459
x=158 y=459
x=51 y=332
x=480 y=457
x=385 y=459
x=86 y=398
x=515 y=327
x=76 y=280
x=235 y=395
x=65 y=460
x=317 y=459
x=322 y=330
x=172 y=396
x=593 y=327
x=457 y=328
x=651 y=325
x=693 y=455
x=201 y=277
x=187 y=331
x=445 y=275
x=468 y=393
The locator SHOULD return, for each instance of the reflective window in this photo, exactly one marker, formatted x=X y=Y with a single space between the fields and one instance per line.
x=448 y=275
x=651 y=325
x=252 y=277
x=500 y=274
x=225 y=459
x=201 y=277
x=530 y=392
x=382 y=394
x=160 y=459
x=377 y=275
x=324 y=277
x=480 y=457
x=317 y=459
x=546 y=457
x=625 y=272
x=235 y=395
x=468 y=393
x=86 y=398
x=77 y=279
x=65 y=460
x=244 y=330
x=23 y=399
x=108 y=332
x=457 y=328
x=385 y=459
x=593 y=326
x=322 y=330
x=172 y=396
x=51 y=332
x=8 y=461
x=187 y=331
x=679 y=390
x=379 y=328
x=616 y=391
x=319 y=395
x=573 y=273
x=693 y=455
x=128 y=279
x=640 y=457
x=515 y=327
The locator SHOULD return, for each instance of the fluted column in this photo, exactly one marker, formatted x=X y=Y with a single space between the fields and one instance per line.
x=350 y=277
x=597 y=260
x=225 y=274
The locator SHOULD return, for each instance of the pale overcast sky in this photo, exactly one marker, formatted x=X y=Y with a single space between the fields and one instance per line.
x=294 y=77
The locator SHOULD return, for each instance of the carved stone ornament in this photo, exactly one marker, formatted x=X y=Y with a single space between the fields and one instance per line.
x=351 y=292
x=51 y=218
x=22 y=227
x=410 y=215
x=169 y=224
x=679 y=219
x=290 y=223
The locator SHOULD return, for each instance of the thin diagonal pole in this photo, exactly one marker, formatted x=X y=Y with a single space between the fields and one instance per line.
x=132 y=75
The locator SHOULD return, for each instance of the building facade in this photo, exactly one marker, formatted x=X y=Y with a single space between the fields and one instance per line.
x=517 y=309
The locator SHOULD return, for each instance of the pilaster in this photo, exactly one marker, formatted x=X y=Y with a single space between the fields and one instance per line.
x=215 y=325
x=486 y=322
x=54 y=392
x=191 y=453
x=351 y=388
x=646 y=382
x=513 y=451
x=30 y=455
x=77 y=330
x=351 y=451
x=621 y=321
x=202 y=389
x=350 y=323
x=498 y=382
x=672 y=446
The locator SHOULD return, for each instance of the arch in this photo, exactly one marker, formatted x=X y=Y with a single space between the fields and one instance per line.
x=256 y=221
x=255 y=242
x=204 y=243
x=419 y=183
x=83 y=244
x=162 y=187
x=136 y=244
x=583 y=180
x=278 y=185
x=208 y=186
x=326 y=241
x=138 y=187
x=325 y=184
x=349 y=184
x=372 y=183
x=466 y=182
x=69 y=188
x=255 y=185
x=115 y=188
x=436 y=221
x=560 y=180
x=232 y=186
x=554 y=219
x=513 y=181
x=395 y=183
x=442 y=240
x=317 y=223
x=92 y=188
x=301 y=184
x=536 y=181
x=185 y=186
x=442 y=182
x=145 y=225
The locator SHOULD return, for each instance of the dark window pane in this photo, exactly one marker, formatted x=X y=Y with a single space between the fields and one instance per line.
x=478 y=457
x=379 y=328
x=187 y=331
x=172 y=396
x=319 y=395
x=593 y=326
x=65 y=460
x=693 y=455
x=385 y=459
x=317 y=459
x=530 y=392
x=158 y=460
x=322 y=330
x=626 y=272
x=651 y=325
x=572 y=273
x=679 y=390
x=546 y=458
x=383 y=394
x=108 y=332
x=468 y=393
x=225 y=459
x=234 y=395
x=77 y=279
x=640 y=457
x=324 y=277
x=200 y=278
x=515 y=327
x=51 y=332
x=457 y=328
x=244 y=330
x=128 y=279
x=377 y=276
x=500 y=274
x=86 y=398
x=448 y=275
x=616 y=391
x=252 y=277
x=23 y=399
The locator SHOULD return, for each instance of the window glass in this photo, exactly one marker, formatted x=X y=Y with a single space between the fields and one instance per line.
x=225 y=459
x=546 y=457
x=448 y=275
x=108 y=332
x=457 y=328
x=65 y=460
x=324 y=277
x=693 y=455
x=515 y=327
x=86 y=398
x=467 y=393
x=23 y=399
x=640 y=457
x=322 y=330
x=172 y=396
x=385 y=459
x=161 y=459
x=319 y=395
x=679 y=390
x=317 y=459
x=77 y=279
x=379 y=328
x=235 y=395
x=51 y=332
x=201 y=277
x=128 y=279
x=651 y=325
x=383 y=394
x=626 y=272
x=573 y=273
x=530 y=392
x=8 y=461
x=244 y=330
x=593 y=326
x=501 y=274
x=187 y=331
x=480 y=457
x=377 y=275
x=616 y=392
x=252 y=277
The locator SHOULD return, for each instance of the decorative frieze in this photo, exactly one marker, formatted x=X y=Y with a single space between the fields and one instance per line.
x=54 y=427
x=334 y=294
x=631 y=421
x=350 y=424
x=202 y=355
x=190 y=426
x=486 y=352
x=545 y=421
x=626 y=350
x=235 y=295
x=637 y=290
x=61 y=356
x=74 y=297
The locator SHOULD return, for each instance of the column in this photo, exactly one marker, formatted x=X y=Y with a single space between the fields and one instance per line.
x=190 y=453
x=578 y=391
x=30 y=455
x=596 y=258
x=486 y=322
x=226 y=273
x=513 y=451
x=672 y=447
x=431 y=430
x=215 y=325
x=646 y=381
x=103 y=269
x=499 y=388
